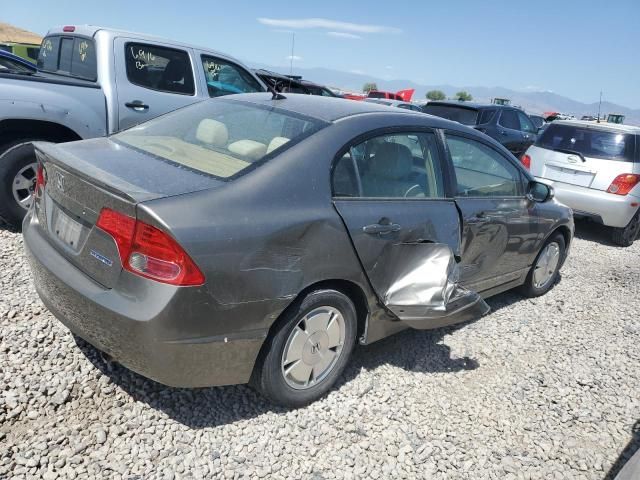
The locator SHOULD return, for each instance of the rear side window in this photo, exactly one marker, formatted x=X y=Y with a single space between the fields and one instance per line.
x=224 y=78
x=486 y=116
x=465 y=116
x=590 y=142
x=159 y=68
x=400 y=165
x=71 y=56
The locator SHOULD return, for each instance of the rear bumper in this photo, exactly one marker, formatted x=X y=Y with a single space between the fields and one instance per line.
x=606 y=208
x=144 y=332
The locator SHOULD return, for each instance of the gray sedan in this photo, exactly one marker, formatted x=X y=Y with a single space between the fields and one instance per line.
x=259 y=238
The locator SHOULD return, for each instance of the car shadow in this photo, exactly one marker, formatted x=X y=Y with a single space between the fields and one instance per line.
x=420 y=351
x=593 y=232
x=9 y=228
x=632 y=447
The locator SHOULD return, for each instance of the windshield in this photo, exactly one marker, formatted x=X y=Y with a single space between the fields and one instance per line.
x=590 y=142
x=466 y=116
x=220 y=137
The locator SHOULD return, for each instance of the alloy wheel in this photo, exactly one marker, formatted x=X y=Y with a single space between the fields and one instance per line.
x=23 y=185
x=313 y=347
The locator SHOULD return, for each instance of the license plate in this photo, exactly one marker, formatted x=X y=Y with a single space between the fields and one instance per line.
x=67 y=230
x=568 y=175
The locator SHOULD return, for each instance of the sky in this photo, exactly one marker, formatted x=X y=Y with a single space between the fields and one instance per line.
x=572 y=48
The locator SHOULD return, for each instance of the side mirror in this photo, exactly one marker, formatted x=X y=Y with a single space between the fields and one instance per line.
x=540 y=192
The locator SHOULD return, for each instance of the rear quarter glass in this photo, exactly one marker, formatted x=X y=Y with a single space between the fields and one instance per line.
x=601 y=143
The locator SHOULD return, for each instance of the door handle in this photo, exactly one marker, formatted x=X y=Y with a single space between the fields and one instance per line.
x=479 y=218
x=503 y=132
x=381 y=228
x=137 y=105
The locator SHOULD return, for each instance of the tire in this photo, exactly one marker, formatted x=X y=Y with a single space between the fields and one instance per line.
x=15 y=160
x=627 y=235
x=533 y=285
x=270 y=377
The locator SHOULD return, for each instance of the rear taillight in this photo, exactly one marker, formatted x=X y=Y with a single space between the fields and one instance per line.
x=41 y=180
x=624 y=183
x=526 y=161
x=148 y=251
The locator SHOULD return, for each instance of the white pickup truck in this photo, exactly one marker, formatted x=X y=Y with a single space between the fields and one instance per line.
x=92 y=82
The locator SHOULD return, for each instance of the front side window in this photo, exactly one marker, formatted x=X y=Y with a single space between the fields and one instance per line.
x=509 y=119
x=481 y=171
x=525 y=124
x=221 y=138
x=224 y=78
x=400 y=165
x=159 y=68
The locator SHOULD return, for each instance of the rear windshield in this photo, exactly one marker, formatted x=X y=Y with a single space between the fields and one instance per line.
x=220 y=137
x=590 y=142
x=70 y=56
x=377 y=95
x=465 y=116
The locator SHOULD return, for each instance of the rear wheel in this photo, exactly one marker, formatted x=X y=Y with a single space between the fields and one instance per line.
x=308 y=350
x=17 y=180
x=627 y=235
x=545 y=269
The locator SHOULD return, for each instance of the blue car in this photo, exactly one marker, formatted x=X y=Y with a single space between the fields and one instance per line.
x=10 y=63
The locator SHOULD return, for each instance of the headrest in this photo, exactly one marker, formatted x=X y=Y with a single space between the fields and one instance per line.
x=249 y=149
x=277 y=142
x=391 y=160
x=212 y=132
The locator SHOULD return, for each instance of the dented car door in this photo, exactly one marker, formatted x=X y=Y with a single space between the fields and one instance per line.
x=389 y=191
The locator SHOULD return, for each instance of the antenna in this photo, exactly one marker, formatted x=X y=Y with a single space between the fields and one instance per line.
x=599 y=105
x=293 y=44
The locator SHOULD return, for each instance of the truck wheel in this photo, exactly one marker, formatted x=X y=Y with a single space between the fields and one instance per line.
x=17 y=180
x=627 y=235
x=308 y=350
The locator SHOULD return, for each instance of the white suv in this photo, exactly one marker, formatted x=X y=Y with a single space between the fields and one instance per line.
x=594 y=169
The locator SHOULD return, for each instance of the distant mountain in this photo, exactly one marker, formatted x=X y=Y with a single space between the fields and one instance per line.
x=531 y=101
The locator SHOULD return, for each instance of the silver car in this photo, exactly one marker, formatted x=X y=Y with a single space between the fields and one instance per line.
x=594 y=169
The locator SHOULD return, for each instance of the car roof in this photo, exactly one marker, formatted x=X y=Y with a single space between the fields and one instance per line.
x=92 y=30
x=470 y=105
x=599 y=126
x=328 y=109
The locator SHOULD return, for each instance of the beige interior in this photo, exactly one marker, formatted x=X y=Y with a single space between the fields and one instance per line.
x=276 y=142
x=248 y=148
x=188 y=154
x=212 y=132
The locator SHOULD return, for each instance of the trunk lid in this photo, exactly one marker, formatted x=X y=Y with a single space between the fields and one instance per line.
x=84 y=177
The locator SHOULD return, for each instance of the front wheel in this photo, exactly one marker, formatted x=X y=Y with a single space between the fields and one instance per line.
x=308 y=350
x=627 y=235
x=545 y=269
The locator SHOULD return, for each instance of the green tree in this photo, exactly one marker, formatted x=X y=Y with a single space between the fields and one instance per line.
x=436 y=95
x=464 y=96
x=367 y=87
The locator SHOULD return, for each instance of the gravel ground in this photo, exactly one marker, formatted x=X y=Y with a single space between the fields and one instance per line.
x=544 y=388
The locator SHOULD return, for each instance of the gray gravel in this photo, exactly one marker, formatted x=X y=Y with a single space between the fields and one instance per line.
x=545 y=388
